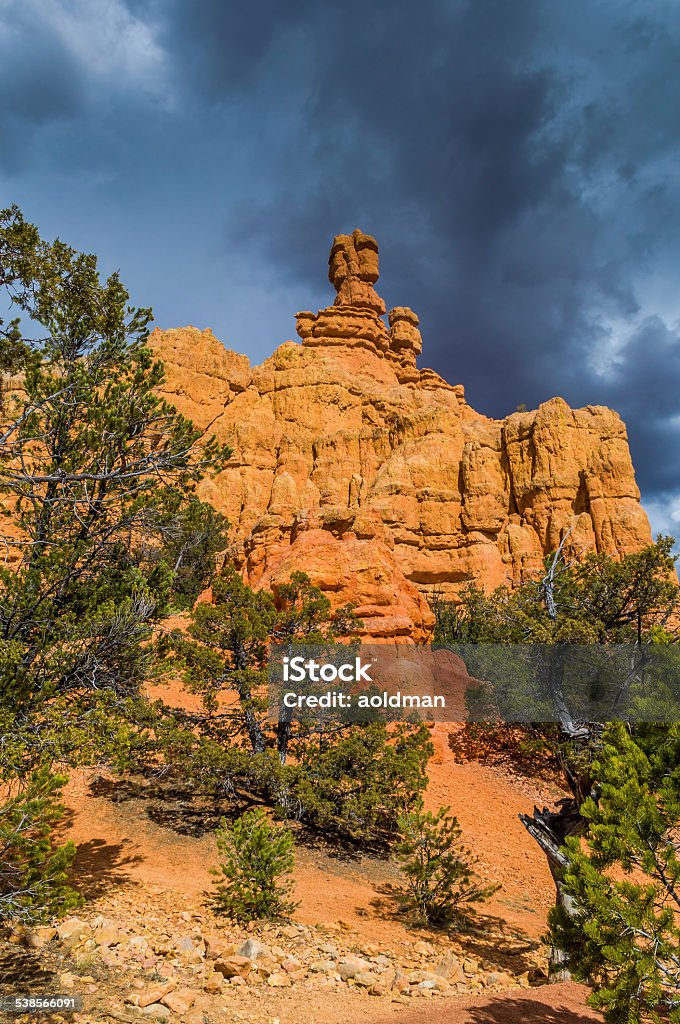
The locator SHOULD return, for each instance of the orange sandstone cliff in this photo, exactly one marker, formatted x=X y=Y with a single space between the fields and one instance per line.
x=376 y=477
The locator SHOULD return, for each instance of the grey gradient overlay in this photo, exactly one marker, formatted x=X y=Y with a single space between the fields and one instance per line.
x=562 y=683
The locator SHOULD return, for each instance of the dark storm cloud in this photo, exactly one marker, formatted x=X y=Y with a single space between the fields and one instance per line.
x=644 y=386
x=517 y=162
x=517 y=185
x=223 y=45
x=39 y=84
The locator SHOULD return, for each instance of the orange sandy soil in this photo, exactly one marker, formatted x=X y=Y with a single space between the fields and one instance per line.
x=128 y=836
x=549 y=1004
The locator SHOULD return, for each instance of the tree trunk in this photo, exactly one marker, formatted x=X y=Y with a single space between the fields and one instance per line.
x=284 y=726
x=284 y=729
x=550 y=829
x=245 y=696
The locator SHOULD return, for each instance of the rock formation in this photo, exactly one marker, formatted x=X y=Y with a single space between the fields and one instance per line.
x=377 y=478
x=355 y=318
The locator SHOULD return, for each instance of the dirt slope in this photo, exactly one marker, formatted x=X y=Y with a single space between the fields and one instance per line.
x=137 y=838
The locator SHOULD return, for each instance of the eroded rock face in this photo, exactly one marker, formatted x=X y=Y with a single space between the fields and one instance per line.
x=377 y=478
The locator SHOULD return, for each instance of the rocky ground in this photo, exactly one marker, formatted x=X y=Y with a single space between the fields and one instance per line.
x=137 y=955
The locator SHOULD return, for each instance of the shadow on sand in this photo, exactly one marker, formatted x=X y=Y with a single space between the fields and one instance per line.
x=177 y=806
x=482 y=933
x=528 y=1011
x=99 y=866
x=501 y=1009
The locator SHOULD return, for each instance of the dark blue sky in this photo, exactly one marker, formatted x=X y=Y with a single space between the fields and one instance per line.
x=518 y=160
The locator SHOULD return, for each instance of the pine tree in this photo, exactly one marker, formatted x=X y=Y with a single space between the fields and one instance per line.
x=599 y=600
x=256 y=859
x=33 y=868
x=97 y=486
x=439 y=871
x=623 y=883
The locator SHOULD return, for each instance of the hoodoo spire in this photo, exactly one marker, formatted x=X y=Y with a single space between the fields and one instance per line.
x=353 y=270
x=356 y=316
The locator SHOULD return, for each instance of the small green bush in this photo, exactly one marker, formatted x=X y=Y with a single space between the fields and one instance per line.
x=439 y=871
x=33 y=868
x=254 y=858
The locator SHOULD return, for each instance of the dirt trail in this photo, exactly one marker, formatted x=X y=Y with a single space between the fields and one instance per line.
x=487 y=801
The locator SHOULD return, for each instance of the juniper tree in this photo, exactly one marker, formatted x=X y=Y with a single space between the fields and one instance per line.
x=103 y=531
x=355 y=779
x=97 y=484
x=227 y=643
x=599 y=600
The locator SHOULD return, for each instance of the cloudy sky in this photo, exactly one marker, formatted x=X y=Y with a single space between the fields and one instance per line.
x=518 y=160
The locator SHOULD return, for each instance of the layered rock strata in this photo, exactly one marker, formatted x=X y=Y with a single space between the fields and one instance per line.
x=376 y=477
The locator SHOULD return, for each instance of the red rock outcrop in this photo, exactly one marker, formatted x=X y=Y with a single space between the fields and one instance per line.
x=377 y=478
